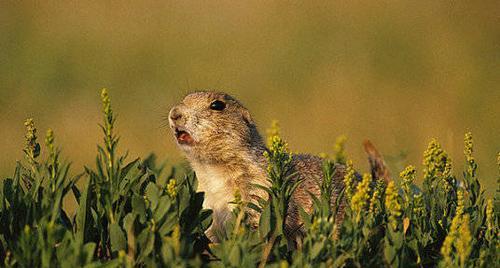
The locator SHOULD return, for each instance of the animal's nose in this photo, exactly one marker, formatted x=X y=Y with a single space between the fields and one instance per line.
x=175 y=114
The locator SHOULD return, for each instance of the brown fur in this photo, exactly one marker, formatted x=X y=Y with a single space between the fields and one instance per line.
x=227 y=155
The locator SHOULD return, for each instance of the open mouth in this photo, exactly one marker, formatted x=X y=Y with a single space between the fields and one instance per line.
x=183 y=137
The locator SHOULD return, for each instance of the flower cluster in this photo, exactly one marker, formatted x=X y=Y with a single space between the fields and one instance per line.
x=418 y=204
x=392 y=205
x=238 y=200
x=468 y=150
x=339 y=149
x=460 y=238
x=49 y=142
x=349 y=179
x=108 y=112
x=321 y=222
x=174 y=240
x=447 y=247
x=407 y=177
x=489 y=215
x=435 y=160
x=32 y=148
x=360 y=198
x=273 y=131
x=447 y=178
x=463 y=242
x=468 y=146
x=373 y=200
x=323 y=156
x=278 y=149
x=278 y=145
x=172 y=188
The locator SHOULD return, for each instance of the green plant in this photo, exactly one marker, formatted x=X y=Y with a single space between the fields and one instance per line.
x=138 y=213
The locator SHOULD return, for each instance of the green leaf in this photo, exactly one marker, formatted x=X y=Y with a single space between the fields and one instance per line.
x=139 y=207
x=235 y=256
x=341 y=260
x=128 y=222
x=117 y=237
x=391 y=252
x=81 y=215
x=76 y=193
x=184 y=198
x=152 y=194
x=265 y=221
x=88 y=250
x=205 y=218
x=145 y=241
x=316 y=250
x=163 y=206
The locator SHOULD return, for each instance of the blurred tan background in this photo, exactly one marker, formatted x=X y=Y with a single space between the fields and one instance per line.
x=396 y=72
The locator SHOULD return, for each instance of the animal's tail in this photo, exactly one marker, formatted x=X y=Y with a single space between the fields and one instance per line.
x=377 y=163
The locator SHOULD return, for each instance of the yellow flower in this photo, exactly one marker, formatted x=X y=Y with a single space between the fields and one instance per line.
x=27 y=229
x=106 y=102
x=278 y=149
x=418 y=205
x=52 y=159
x=284 y=264
x=468 y=146
x=392 y=205
x=447 y=183
x=460 y=238
x=108 y=127
x=237 y=197
x=273 y=131
x=49 y=139
x=349 y=177
x=375 y=196
x=489 y=214
x=32 y=148
x=30 y=130
x=175 y=238
x=339 y=149
x=447 y=247
x=463 y=243
x=50 y=226
x=122 y=254
x=435 y=159
x=172 y=188
x=323 y=155
x=408 y=177
x=277 y=146
x=360 y=198
x=468 y=150
x=315 y=225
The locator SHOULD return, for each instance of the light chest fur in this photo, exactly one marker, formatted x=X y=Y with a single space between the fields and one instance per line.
x=218 y=184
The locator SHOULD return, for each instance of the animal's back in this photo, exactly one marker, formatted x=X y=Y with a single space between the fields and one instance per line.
x=309 y=169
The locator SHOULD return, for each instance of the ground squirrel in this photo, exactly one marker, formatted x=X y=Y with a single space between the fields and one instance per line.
x=225 y=150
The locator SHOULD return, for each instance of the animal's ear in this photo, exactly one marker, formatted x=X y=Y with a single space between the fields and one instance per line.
x=247 y=117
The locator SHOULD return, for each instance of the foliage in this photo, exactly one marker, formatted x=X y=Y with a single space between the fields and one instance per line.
x=135 y=213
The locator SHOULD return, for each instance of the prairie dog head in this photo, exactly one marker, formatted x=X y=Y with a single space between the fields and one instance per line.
x=212 y=127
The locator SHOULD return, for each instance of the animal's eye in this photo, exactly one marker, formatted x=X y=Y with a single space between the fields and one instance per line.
x=217 y=105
